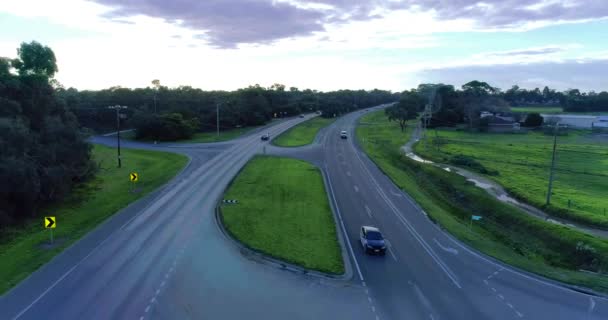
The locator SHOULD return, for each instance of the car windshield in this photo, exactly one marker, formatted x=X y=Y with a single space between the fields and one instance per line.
x=374 y=235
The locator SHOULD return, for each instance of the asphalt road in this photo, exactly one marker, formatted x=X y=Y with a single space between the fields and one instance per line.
x=427 y=274
x=164 y=257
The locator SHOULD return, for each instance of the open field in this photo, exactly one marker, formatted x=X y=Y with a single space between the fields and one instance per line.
x=504 y=233
x=284 y=212
x=521 y=163
x=546 y=110
x=302 y=134
x=89 y=205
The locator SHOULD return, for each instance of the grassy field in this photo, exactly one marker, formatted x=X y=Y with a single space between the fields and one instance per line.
x=284 y=212
x=205 y=137
x=302 y=134
x=89 y=205
x=521 y=163
x=547 y=110
x=504 y=232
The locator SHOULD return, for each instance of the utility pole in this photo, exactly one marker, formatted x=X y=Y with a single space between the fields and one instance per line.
x=552 y=164
x=117 y=108
x=217 y=117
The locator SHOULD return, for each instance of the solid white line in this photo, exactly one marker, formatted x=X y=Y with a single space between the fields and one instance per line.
x=59 y=280
x=350 y=247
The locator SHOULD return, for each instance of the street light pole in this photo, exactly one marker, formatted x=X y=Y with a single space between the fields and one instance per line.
x=117 y=108
x=550 y=189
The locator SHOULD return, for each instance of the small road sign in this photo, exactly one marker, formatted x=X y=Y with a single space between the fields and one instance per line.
x=476 y=218
x=134 y=176
x=49 y=223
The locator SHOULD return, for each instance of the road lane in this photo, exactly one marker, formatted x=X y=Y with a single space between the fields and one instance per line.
x=429 y=254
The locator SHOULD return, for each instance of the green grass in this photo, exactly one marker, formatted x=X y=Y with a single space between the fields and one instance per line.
x=284 y=212
x=504 y=232
x=546 y=110
x=89 y=204
x=302 y=134
x=521 y=163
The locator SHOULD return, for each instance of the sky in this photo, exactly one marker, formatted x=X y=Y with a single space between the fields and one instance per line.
x=318 y=44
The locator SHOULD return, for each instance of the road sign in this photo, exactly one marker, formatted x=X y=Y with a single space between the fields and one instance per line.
x=476 y=218
x=49 y=223
x=134 y=176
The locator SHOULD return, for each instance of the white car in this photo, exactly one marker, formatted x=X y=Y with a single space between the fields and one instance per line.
x=343 y=134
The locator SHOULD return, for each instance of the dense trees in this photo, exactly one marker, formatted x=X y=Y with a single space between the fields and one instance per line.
x=254 y=105
x=533 y=120
x=42 y=152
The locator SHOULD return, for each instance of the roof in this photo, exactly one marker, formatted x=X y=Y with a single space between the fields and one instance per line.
x=370 y=228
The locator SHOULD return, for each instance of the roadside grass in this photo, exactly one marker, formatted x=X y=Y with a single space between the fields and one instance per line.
x=504 y=232
x=90 y=204
x=521 y=163
x=283 y=211
x=302 y=134
x=547 y=110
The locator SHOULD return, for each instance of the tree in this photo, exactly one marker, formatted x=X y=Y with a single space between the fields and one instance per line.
x=36 y=59
x=406 y=109
x=533 y=120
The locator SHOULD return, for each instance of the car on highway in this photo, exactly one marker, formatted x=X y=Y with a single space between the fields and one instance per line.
x=343 y=134
x=372 y=240
x=265 y=137
x=301 y=116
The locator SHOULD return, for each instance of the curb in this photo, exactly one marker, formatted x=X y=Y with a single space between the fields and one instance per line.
x=260 y=256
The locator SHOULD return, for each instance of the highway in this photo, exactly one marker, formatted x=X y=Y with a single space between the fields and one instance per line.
x=164 y=256
x=427 y=274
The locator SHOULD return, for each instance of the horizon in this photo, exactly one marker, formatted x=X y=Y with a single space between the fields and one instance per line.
x=320 y=45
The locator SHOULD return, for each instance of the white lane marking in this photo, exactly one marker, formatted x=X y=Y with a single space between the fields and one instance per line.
x=396 y=194
x=447 y=249
x=410 y=227
x=153 y=300
x=356 y=188
x=486 y=282
x=510 y=305
x=373 y=309
x=431 y=316
x=141 y=318
x=377 y=318
x=350 y=247
x=368 y=210
x=157 y=291
x=519 y=314
x=493 y=289
x=162 y=284
x=348 y=173
x=147 y=308
x=392 y=254
x=369 y=299
x=501 y=297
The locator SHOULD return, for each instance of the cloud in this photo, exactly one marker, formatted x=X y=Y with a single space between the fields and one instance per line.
x=502 y=14
x=585 y=74
x=528 y=52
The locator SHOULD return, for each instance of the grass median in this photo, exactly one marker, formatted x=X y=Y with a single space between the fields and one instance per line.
x=21 y=249
x=302 y=134
x=504 y=232
x=283 y=211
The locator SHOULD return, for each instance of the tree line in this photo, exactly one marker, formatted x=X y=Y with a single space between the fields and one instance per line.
x=42 y=150
x=163 y=113
x=449 y=106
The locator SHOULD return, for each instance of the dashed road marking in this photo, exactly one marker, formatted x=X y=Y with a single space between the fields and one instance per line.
x=368 y=210
x=147 y=308
x=356 y=188
x=519 y=314
x=501 y=297
x=348 y=173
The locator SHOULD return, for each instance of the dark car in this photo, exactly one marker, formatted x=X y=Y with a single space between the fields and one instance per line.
x=265 y=137
x=301 y=116
x=372 y=240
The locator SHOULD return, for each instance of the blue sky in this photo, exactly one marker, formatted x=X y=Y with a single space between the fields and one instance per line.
x=321 y=44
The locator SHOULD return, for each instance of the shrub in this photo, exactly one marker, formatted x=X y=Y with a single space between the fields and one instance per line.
x=533 y=120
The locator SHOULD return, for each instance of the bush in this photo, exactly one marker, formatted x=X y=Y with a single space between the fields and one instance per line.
x=168 y=127
x=533 y=120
